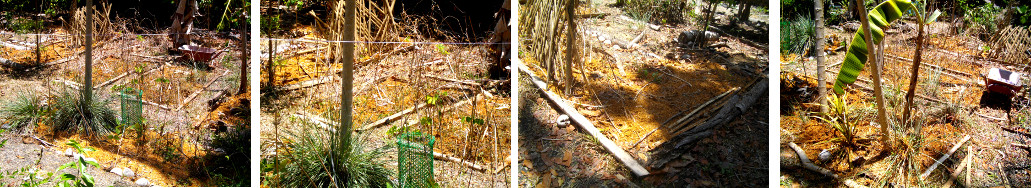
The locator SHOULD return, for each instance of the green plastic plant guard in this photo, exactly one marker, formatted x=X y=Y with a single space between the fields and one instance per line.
x=415 y=160
x=132 y=107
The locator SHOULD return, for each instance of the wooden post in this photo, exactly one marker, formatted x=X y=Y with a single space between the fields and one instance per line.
x=347 y=75
x=882 y=118
x=570 y=51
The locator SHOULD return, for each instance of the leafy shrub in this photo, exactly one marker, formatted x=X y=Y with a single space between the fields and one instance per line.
x=231 y=167
x=797 y=36
x=93 y=120
x=25 y=110
x=311 y=162
x=660 y=11
x=981 y=19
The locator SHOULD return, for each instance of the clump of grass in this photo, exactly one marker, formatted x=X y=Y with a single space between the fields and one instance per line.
x=311 y=162
x=94 y=119
x=797 y=36
x=23 y=111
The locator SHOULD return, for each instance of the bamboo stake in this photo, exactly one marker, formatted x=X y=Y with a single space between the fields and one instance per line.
x=942 y=159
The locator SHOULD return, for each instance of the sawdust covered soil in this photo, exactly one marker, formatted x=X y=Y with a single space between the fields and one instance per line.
x=626 y=107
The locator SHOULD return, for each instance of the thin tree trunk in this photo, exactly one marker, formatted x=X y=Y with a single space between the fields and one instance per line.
x=915 y=73
x=705 y=26
x=244 y=40
x=570 y=38
x=347 y=75
x=87 y=89
x=882 y=118
x=820 y=64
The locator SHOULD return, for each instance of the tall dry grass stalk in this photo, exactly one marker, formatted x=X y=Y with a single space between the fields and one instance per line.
x=101 y=24
x=374 y=22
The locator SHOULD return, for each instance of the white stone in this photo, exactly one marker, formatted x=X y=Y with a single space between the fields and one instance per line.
x=89 y=159
x=562 y=121
x=143 y=182
x=69 y=152
x=128 y=173
x=117 y=171
x=825 y=155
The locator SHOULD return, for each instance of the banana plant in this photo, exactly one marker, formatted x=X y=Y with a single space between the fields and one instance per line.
x=863 y=41
x=880 y=17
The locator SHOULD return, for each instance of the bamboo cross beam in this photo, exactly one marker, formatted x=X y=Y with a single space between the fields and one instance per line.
x=586 y=125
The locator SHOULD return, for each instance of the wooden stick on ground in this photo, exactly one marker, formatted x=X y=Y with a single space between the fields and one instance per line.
x=119 y=77
x=469 y=164
x=194 y=95
x=942 y=159
x=453 y=80
x=321 y=122
x=808 y=164
x=959 y=169
x=586 y=125
x=707 y=103
x=392 y=118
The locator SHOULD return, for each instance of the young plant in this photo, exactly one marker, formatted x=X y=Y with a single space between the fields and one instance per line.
x=839 y=115
x=83 y=179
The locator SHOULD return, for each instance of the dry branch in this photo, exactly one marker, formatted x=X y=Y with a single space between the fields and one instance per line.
x=309 y=83
x=195 y=93
x=469 y=164
x=466 y=82
x=808 y=164
x=586 y=125
x=942 y=159
x=392 y=118
x=700 y=107
x=119 y=77
x=319 y=121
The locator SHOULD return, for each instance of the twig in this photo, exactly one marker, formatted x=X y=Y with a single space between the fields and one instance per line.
x=682 y=112
x=392 y=118
x=942 y=159
x=45 y=143
x=123 y=75
x=466 y=82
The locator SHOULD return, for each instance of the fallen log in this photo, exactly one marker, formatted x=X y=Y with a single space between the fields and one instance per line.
x=732 y=109
x=585 y=124
x=942 y=159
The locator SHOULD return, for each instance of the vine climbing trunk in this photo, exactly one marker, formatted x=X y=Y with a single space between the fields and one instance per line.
x=882 y=118
x=570 y=51
x=87 y=89
x=821 y=86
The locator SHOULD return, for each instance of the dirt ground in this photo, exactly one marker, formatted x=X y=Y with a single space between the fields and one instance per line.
x=628 y=93
x=165 y=82
x=961 y=109
x=398 y=82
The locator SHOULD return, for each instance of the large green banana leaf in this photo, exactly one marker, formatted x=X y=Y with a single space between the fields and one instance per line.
x=855 y=59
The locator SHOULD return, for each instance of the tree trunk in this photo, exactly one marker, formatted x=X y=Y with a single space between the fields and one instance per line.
x=882 y=118
x=915 y=73
x=705 y=26
x=270 y=67
x=821 y=77
x=347 y=74
x=244 y=40
x=570 y=51
x=745 y=11
x=87 y=89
